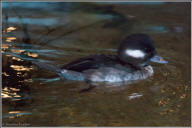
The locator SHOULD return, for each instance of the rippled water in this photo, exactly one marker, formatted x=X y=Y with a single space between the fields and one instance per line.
x=57 y=33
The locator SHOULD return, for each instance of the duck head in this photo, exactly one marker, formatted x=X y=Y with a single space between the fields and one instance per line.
x=138 y=50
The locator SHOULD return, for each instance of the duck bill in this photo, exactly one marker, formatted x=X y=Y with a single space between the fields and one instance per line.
x=158 y=59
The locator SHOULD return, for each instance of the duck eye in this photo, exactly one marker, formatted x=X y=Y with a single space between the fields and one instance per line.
x=146 y=49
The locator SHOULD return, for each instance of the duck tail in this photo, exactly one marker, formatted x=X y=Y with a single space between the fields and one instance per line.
x=67 y=74
x=46 y=66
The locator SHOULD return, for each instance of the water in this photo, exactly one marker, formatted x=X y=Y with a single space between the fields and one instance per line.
x=57 y=33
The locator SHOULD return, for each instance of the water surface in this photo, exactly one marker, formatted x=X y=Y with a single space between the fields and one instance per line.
x=57 y=33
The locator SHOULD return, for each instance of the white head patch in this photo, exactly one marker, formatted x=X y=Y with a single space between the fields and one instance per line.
x=135 y=53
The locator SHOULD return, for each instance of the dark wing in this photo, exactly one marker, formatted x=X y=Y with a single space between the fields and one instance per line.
x=91 y=62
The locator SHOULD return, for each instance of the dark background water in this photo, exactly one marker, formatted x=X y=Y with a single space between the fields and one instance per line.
x=57 y=33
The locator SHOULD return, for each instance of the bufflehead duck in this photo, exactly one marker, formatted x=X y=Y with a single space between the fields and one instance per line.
x=130 y=63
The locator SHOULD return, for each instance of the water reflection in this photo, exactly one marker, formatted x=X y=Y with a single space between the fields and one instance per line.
x=9 y=29
x=10 y=39
x=34 y=21
x=160 y=29
x=169 y=105
x=134 y=95
x=57 y=33
x=20 y=68
x=17 y=59
x=134 y=3
x=15 y=114
x=5 y=46
x=17 y=50
x=10 y=93
x=30 y=5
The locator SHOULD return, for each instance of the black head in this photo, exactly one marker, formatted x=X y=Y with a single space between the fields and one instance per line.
x=136 y=49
